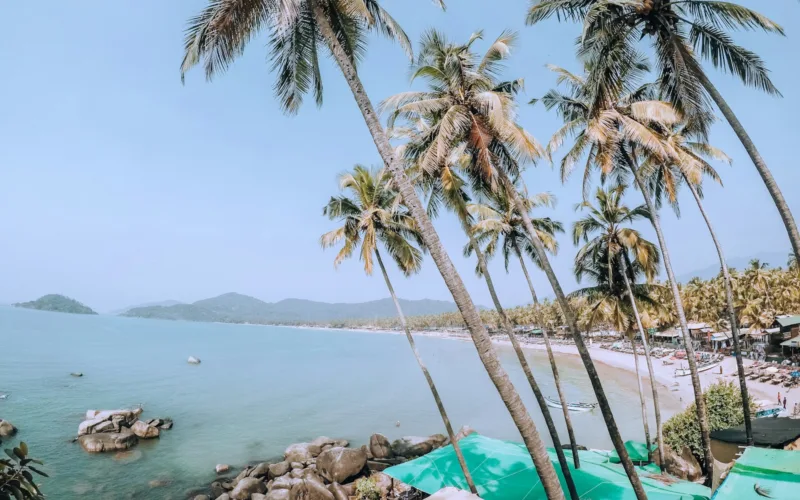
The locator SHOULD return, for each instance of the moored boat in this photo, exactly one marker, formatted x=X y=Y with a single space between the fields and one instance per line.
x=682 y=372
x=570 y=406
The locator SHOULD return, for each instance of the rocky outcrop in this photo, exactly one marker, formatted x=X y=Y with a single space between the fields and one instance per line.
x=143 y=430
x=310 y=490
x=339 y=464
x=108 y=420
x=279 y=469
x=246 y=487
x=380 y=447
x=277 y=495
x=7 y=429
x=415 y=446
x=682 y=465
x=108 y=441
x=298 y=452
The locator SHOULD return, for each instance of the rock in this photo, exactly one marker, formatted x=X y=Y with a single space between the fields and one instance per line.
x=217 y=489
x=167 y=425
x=242 y=475
x=310 y=490
x=297 y=452
x=296 y=473
x=414 y=446
x=119 y=418
x=279 y=469
x=258 y=496
x=127 y=456
x=374 y=466
x=159 y=483
x=7 y=428
x=463 y=432
x=277 y=495
x=260 y=470
x=580 y=447
x=451 y=493
x=387 y=486
x=222 y=468
x=202 y=497
x=108 y=441
x=224 y=496
x=247 y=487
x=193 y=361
x=338 y=464
x=284 y=483
x=107 y=426
x=682 y=465
x=379 y=446
x=297 y=465
x=338 y=491
x=315 y=446
x=144 y=431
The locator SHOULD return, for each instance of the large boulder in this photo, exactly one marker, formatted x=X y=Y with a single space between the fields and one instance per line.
x=299 y=452
x=96 y=420
x=338 y=491
x=415 y=446
x=7 y=428
x=379 y=446
x=284 y=483
x=144 y=431
x=682 y=465
x=247 y=487
x=108 y=441
x=260 y=470
x=310 y=490
x=338 y=464
x=279 y=469
x=277 y=495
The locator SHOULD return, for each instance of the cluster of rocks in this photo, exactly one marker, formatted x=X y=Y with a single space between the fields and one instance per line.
x=7 y=429
x=325 y=469
x=117 y=430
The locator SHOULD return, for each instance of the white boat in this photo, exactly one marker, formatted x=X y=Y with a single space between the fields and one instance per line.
x=682 y=372
x=570 y=406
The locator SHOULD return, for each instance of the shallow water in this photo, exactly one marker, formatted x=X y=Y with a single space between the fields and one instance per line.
x=257 y=390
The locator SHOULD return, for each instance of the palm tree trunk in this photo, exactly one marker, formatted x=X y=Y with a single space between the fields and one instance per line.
x=700 y=404
x=758 y=161
x=569 y=316
x=572 y=443
x=481 y=339
x=428 y=378
x=748 y=425
x=653 y=386
x=642 y=401
x=537 y=392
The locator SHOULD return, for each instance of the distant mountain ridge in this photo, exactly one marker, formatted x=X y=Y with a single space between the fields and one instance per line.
x=238 y=308
x=774 y=259
x=163 y=303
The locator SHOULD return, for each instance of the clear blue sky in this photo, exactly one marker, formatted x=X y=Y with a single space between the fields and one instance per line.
x=119 y=186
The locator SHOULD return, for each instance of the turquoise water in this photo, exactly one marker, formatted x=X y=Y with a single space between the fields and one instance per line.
x=257 y=390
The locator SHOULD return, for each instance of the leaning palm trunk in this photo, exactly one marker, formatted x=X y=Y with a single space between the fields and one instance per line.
x=758 y=161
x=659 y=436
x=726 y=276
x=642 y=401
x=594 y=378
x=572 y=443
x=700 y=404
x=428 y=378
x=483 y=343
x=537 y=392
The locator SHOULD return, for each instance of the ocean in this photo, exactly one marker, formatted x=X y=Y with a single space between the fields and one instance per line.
x=258 y=389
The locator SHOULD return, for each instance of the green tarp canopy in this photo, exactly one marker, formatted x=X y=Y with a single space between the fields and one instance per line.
x=637 y=451
x=503 y=470
x=776 y=473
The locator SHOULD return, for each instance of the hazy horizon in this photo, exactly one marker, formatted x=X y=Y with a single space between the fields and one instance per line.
x=119 y=186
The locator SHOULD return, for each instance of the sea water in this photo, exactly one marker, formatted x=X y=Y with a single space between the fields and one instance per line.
x=258 y=389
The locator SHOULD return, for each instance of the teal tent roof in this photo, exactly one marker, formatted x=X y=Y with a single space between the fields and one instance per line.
x=788 y=321
x=503 y=470
x=775 y=472
x=636 y=450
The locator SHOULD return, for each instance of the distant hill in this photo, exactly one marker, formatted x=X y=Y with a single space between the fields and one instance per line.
x=238 y=308
x=774 y=259
x=162 y=303
x=56 y=303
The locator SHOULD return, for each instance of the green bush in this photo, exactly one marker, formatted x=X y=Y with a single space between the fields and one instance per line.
x=367 y=489
x=16 y=475
x=724 y=405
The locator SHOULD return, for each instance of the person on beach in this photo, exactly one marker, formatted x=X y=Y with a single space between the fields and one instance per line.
x=784 y=402
x=779 y=397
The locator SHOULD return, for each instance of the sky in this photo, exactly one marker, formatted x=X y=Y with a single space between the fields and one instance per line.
x=119 y=185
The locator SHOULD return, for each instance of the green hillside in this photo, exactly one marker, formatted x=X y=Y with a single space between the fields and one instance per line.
x=56 y=303
x=238 y=308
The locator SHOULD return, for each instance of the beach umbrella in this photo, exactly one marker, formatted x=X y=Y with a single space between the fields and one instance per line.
x=795 y=374
x=771 y=369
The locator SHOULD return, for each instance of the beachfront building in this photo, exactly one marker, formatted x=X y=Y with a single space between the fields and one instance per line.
x=722 y=341
x=668 y=337
x=777 y=433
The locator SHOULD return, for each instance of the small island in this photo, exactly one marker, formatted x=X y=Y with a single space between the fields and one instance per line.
x=56 y=303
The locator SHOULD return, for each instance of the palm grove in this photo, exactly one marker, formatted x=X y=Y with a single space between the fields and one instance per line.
x=458 y=146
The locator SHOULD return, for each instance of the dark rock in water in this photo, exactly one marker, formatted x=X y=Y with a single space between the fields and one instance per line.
x=379 y=446
x=222 y=468
x=217 y=489
x=7 y=429
x=144 y=431
x=578 y=446
x=338 y=464
x=247 y=487
x=108 y=441
x=76 y=374
x=159 y=483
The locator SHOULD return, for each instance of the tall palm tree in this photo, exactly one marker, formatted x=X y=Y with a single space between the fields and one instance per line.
x=605 y=236
x=469 y=108
x=371 y=215
x=499 y=219
x=297 y=31
x=611 y=117
x=683 y=32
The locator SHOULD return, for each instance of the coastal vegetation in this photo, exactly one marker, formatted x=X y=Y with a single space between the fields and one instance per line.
x=56 y=303
x=17 y=475
x=460 y=139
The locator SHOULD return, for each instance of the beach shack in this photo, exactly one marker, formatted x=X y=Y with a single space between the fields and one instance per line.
x=668 y=337
x=699 y=332
x=776 y=433
x=762 y=473
x=721 y=341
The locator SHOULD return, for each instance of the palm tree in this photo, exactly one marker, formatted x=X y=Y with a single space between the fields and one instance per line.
x=297 y=30
x=675 y=28
x=467 y=108
x=372 y=214
x=499 y=219
x=605 y=237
